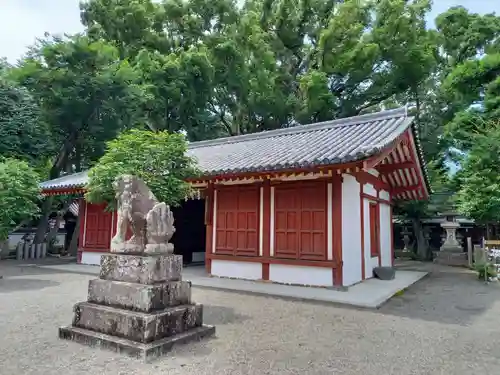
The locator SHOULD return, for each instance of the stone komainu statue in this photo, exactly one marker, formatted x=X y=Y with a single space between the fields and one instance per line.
x=151 y=221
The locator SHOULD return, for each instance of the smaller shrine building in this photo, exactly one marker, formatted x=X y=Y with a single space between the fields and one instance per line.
x=306 y=205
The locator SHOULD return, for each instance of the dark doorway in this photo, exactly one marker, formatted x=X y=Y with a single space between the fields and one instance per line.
x=190 y=235
x=69 y=226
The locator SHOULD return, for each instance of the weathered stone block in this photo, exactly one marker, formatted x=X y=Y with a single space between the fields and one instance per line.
x=141 y=269
x=134 y=349
x=139 y=297
x=384 y=273
x=137 y=326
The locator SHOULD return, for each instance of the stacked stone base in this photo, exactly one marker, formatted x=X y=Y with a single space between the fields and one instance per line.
x=140 y=306
x=451 y=258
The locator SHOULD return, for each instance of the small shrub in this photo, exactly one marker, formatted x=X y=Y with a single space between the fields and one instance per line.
x=485 y=270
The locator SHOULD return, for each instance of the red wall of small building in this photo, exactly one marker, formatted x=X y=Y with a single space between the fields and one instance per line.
x=300 y=224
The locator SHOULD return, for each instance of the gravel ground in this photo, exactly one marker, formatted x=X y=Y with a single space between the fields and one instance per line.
x=447 y=324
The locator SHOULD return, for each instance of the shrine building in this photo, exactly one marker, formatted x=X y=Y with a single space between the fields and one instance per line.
x=305 y=205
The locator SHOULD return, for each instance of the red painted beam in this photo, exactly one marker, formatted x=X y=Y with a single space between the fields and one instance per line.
x=387 y=168
x=405 y=189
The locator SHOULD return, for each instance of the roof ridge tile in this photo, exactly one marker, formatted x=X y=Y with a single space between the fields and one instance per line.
x=317 y=126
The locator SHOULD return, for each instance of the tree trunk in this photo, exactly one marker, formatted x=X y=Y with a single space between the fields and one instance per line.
x=4 y=247
x=43 y=222
x=53 y=231
x=73 y=246
x=422 y=248
x=58 y=165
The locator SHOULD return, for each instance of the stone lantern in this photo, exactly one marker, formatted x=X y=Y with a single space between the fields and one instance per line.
x=451 y=252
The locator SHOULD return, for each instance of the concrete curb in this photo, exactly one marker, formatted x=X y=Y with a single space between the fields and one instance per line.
x=287 y=295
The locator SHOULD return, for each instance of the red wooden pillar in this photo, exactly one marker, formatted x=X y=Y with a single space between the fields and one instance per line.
x=209 y=214
x=82 y=210
x=266 y=228
x=392 y=231
x=362 y=215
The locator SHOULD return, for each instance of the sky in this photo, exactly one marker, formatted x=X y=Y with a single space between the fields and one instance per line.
x=22 y=21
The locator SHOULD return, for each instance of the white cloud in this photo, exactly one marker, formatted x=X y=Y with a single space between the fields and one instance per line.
x=22 y=21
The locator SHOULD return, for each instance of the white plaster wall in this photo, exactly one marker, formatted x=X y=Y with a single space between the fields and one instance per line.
x=369 y=189
x=369 y=264
x=351 y=231
x=384 y=195
x=300 y=275
x=385 y=235
x=91 y=258
x=239 y=270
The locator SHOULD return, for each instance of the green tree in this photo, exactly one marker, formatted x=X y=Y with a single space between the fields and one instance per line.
x=87 y=94
x=159 y=158
x=471 y=79
x=270 y=63
x=22 y=133
x=445 y=117
x=19 y=194
x=478 y=196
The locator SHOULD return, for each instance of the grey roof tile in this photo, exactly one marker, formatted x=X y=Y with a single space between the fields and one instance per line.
x=326 y=143
x=74 y=180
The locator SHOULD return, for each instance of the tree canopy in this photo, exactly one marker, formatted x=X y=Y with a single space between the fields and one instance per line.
x=266 y=64
x=479 y=193
x=86 y=93
x=19 y=194
x=23 y=134
x=159 y=158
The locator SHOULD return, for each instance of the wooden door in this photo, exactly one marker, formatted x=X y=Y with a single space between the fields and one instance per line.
x=237 y=223
x=98 y=227
x=301 y=221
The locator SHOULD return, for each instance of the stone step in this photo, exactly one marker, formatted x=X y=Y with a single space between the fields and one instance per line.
x=137 y=326
x=132 y=348
x=139 y=297
x=140 y=268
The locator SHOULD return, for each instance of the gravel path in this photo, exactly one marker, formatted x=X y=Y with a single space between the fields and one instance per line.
x=447 y=324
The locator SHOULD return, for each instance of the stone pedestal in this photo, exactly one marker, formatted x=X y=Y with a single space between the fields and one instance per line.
x=139 y=306
x=451 y=253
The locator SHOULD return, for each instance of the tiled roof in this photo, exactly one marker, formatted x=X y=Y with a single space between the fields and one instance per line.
x=326 y=143
x=76 y=180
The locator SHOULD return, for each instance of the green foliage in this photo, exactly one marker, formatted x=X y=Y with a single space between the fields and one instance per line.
x=213 y=68
x=19 y=194
x=474 y=79
x=86 y=93
x=160 y=159
x=22 y=134
x=478 y=196
x=485 y=270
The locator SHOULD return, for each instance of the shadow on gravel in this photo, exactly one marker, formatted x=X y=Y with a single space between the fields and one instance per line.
x=25 y=270
x=449 y=297
x=9 y=285
x=217 y=315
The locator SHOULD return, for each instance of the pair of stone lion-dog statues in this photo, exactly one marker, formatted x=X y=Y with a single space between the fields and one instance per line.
x=151 y=221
